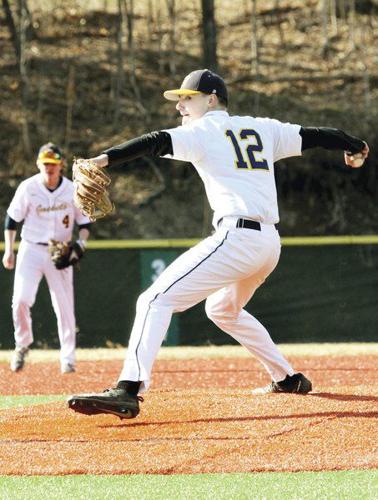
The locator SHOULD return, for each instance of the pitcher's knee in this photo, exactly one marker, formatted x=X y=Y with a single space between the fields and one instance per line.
x=219 y=314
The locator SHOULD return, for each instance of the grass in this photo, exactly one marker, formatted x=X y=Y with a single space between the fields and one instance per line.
x=19 y=401
x=361 y=485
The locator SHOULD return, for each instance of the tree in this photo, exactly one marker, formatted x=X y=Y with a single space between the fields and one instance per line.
x=12 y=28
x=24 y=20
x=209 y=27
x=171 y=6
x=254 y=39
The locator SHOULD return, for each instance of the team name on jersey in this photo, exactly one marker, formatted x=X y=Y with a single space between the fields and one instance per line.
x=54 y=208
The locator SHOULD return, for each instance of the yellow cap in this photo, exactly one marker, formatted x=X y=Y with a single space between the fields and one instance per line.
x=174 y=95
x=201 y=81
x=50 y=153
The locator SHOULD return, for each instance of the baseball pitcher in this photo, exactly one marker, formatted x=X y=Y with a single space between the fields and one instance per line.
x=235 y=157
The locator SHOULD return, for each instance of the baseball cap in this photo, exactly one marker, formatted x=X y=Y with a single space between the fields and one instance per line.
x=199 y=81
x=50 y=153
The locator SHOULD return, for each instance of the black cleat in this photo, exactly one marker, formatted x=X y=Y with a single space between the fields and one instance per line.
x=115 y=401
x=296 y=383
x=18 y=359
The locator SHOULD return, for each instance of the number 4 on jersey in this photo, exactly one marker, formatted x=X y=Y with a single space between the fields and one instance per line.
x=251 y=149
x=66 y=221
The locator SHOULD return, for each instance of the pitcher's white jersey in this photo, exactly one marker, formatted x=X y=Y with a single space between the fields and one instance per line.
x=46 y=215
x=234 y=156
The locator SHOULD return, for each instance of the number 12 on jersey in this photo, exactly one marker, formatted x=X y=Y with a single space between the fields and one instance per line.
x=251 y=149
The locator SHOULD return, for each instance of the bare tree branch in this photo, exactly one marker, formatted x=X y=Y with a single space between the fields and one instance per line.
x=12 y=28
x=161 y=187
x=254 y=39
x=24 y=77
x=70 y=98
x=119 y=73
x=171 y=5
x=346 y=77
x=209 y=35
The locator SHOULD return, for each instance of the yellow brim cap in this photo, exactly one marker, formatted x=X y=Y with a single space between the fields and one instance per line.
x=50 y=160
x=174 y=95
x=49 y=157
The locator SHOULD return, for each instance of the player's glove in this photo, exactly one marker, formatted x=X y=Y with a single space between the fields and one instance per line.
x=65 y=254
x=91 y=195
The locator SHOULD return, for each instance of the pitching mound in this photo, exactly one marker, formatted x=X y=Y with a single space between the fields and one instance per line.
x=199 y=417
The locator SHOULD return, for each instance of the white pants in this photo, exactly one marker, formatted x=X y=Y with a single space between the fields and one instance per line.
x=33 y=262
x=226 y=268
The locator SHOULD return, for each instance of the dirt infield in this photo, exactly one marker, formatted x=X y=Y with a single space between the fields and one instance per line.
x=199 y=416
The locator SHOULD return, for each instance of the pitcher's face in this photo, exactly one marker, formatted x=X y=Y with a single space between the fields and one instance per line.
x=192 y=107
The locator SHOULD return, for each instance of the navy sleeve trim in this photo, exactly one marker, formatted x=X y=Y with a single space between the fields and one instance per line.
x=10 y=223
x=155 y=144
x=330 y=138
x=85 y=226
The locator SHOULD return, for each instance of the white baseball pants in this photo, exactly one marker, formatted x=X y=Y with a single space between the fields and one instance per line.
x=226 y=268
x=34 y=262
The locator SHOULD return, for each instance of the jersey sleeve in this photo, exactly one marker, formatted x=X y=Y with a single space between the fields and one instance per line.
x=286 y=140
x=80 y=218
x=186 y=143
x=18 y=207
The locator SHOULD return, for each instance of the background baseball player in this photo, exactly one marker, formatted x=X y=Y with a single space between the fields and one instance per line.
x=234 y=156
x=44 y=203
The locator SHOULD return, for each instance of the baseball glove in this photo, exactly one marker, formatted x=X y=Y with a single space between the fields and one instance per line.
x=90 y=194
x=65 y=254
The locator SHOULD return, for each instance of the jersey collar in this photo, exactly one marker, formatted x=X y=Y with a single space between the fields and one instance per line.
x=217 y=112
x=45 y=189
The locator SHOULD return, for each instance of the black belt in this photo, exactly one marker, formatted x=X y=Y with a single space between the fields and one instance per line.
x=251 y=224
x=44 y=244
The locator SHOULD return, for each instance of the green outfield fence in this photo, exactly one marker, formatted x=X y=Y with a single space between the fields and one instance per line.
x=324 y=289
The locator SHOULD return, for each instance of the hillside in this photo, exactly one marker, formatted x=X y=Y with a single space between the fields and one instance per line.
x=305 y=72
